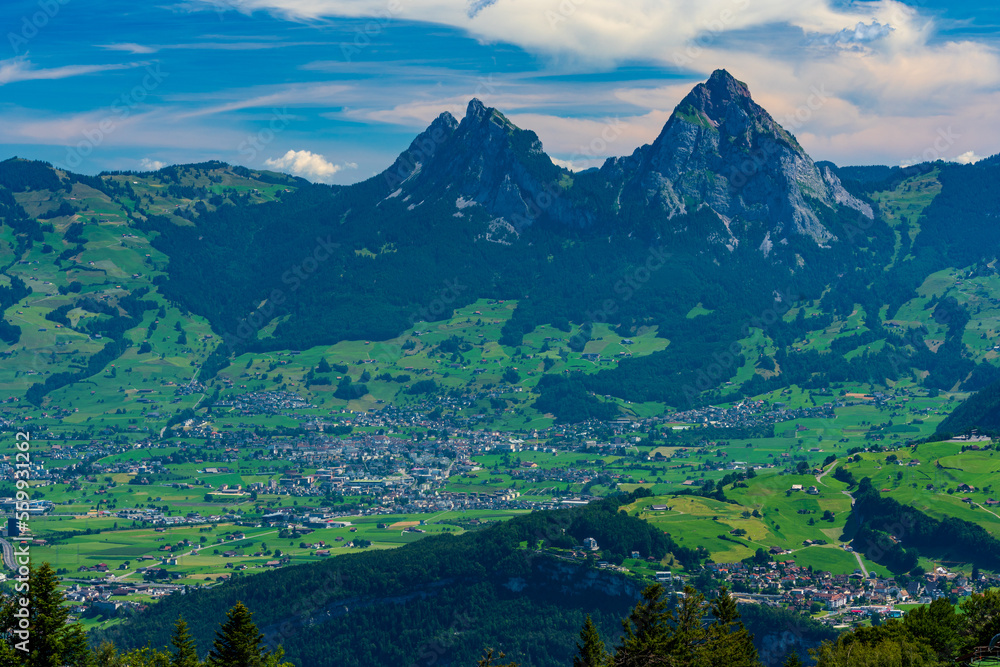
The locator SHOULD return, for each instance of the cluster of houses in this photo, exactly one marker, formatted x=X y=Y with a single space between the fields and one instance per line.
x=801 y=588
x=748 y=414
x=110 y=598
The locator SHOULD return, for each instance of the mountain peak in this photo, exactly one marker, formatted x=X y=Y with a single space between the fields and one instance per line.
x=477 y=109
x=485 y=167
x=421 y=150
x=478 y=114
x=721 y=97
x=721 y=149
x=723 y=77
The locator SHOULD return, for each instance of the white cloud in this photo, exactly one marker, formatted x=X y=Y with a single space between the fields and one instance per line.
x=587 y=30
x=861 y=33
x=130 y=47
x=577 y=164
x=310 y=166
x=298 y=95
x=145 y=164
x=21 y=69
x=238 y=45
x=968 y=157
x=891 y=71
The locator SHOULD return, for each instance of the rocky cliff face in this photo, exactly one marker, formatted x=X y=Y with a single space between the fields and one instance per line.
x=719 y=151
x=722 y=150
x=484 y=166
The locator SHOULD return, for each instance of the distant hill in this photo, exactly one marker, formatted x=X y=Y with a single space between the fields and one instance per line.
x=723 y=209
x=981 y=412
x=721 y=238
x=444 y=600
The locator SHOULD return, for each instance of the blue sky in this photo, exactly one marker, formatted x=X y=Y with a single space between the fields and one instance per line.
x=333 y=89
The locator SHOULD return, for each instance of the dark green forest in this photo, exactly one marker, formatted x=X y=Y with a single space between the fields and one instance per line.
x=489 y=588
x=877 y=517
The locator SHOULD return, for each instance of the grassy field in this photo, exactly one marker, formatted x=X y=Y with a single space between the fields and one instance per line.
x=200 y=551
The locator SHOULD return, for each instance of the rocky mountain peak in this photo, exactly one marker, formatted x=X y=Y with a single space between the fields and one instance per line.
x=485 y=167
x=722 y=150
x=714 y=100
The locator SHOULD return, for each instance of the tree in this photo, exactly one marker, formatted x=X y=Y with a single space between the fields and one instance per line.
x=76 y=648
x=48 y=619
x=889 y=645
x=982 y=619
x=792 y=660
x=592 y=652
x=186 y=653
x=656 y=636
x=646 y=631
x=487 y=660
x=729 y=641
x=237 y=643
x=938 y=625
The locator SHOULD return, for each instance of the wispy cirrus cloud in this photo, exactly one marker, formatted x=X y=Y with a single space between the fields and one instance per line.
x=879 y=61
x=130 y=47
x=297 y=95
x=17 y=69
x=255 y=45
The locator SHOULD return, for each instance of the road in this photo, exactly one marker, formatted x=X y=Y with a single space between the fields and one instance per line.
x=861 y=564
x=8 y=554
x=819 y=477
x=857 y=556
x=989 y=511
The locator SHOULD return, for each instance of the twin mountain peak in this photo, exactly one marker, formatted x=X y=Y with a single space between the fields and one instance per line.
x=719 y=152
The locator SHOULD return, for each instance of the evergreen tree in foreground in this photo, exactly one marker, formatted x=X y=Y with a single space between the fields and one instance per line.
x=54 y=642
x=50 y=633
x=792 y=660
x=592 y=652
x=186 y=653
x=656 y=636
x=237 y=643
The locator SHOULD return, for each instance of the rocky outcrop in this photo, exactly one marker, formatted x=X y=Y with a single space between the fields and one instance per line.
x=721 y=149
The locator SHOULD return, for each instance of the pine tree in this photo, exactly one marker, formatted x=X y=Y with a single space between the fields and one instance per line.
x=186 y=654
x=592 y=652
x=647 y=630
x=237 y=642
x=76 y=648
x=792 y=660
x=48 y=619
x=729 y=642
x=488 y=657
x=688 y=642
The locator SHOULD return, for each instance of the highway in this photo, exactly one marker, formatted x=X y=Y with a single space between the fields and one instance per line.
x=8 y=554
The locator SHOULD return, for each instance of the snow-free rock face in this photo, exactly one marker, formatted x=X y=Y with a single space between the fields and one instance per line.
x=484 y=165
x=722 y=150
x=719 y=152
